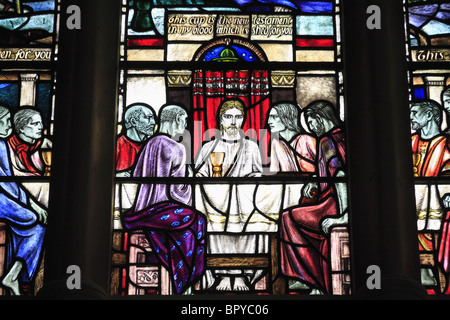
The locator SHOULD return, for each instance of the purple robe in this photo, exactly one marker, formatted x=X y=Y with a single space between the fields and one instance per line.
x=177 y=234
x=175 y=230
x=162 y=157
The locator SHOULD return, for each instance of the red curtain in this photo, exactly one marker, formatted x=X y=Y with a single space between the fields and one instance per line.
x=211 y=87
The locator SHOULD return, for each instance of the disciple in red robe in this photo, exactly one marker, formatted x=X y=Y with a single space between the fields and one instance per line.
x=26 y=160
x=304 y=247
x=175 y=230
x=431 y=159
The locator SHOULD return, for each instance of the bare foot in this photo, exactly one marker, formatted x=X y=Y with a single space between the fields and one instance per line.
x=224 y=285
x=239 y=284
x=11 y=279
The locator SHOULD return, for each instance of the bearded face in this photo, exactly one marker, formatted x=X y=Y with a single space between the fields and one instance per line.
x=231 y=130
x=145 y=128
x=419 y=119
x=146 y=123
x=316 y=126
x=231 y=121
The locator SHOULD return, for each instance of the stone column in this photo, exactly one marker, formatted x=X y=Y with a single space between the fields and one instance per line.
x=383 y=225
x=28 y=89
x=79 y=226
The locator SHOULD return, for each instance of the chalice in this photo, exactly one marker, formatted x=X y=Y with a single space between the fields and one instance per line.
x=47 y=158
x=217 y=161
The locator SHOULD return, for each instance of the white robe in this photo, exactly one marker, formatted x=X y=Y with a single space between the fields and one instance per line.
x=228 y=207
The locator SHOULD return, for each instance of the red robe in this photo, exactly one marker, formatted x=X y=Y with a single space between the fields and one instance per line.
x=126 y=153
x=433 y=162
x=304 y=247
x=434 y=155
x=24 y=153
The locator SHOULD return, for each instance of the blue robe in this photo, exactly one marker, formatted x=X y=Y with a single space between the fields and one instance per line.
x=24 y=234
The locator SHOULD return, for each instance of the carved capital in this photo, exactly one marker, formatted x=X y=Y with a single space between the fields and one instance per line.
x=179 y=79
x=283 y=79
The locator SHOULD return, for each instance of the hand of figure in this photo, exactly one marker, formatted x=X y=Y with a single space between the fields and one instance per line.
x=190 y=172
x=42 y=215
x=124 y=174
x=329 y=223
x=446 y=201
x=310 y=190
x=40 y=212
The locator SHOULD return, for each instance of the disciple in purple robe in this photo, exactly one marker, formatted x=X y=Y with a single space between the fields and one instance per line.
x=175 y=230
x=162 y=157
x=25 y=234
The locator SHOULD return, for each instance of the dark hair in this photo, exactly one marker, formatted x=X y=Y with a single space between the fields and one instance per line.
x=324 y=109
x=430 y=106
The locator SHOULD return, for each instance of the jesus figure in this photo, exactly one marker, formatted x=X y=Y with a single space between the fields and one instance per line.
x=228 y=206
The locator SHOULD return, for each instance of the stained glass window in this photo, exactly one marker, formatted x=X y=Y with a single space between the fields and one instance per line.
x=28 y=52
x=230 y=149
x=428 y=32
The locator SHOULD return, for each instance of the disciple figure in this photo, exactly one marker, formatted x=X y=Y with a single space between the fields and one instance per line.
x=25 y=221
x=140 y=121
x=304 y=229
x=431 y=156
x=444 y=242
x=175 y=230
x=163 y=156
x=445 y=100
x=26 y=147
x=227 y=206
x=292 y=150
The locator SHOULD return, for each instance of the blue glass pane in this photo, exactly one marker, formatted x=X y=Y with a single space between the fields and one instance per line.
x=254 y=5
x=436 y=27
x=316 y=6
x=413 y=41
x=245 y=54
x=315 y=25
x=419 y=93
x=178 y=2
x=213 y=54
x=254 y=2
x=43 y=100
x=444 y=15
x=427 y=10
x=9 y=94
x=41 y=5
x=417 y=20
